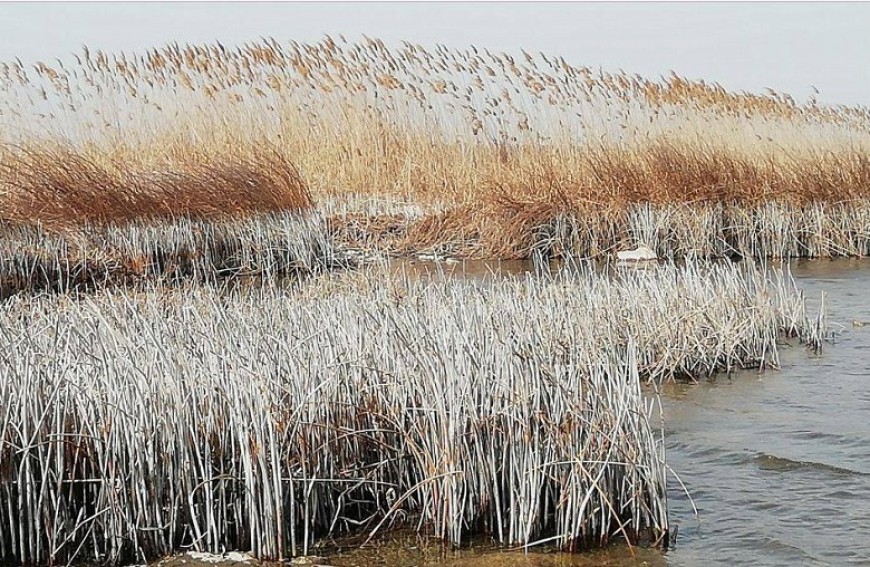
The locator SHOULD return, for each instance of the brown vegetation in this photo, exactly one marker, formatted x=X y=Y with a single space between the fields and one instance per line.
x=493 y=146
x=600 y=188
x=58 y=185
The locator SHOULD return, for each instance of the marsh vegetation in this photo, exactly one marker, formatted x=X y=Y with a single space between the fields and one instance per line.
x=265 y=417
x=153 y=401
x=466 y=152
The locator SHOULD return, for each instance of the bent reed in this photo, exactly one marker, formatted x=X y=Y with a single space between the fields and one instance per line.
x=136 y=423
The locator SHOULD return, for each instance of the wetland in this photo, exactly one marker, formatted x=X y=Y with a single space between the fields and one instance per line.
x=359 y=304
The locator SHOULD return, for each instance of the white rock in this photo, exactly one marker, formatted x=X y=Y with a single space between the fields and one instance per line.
x=643 y=253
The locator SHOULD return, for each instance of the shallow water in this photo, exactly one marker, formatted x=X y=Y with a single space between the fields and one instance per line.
x=411 y=551
x=778 y=464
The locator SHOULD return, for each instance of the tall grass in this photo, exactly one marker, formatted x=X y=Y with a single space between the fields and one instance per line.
x=460 y=133
x=136 y=423
x=60 y=186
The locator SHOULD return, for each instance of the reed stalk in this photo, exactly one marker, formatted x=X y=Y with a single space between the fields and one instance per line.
x=169 y=251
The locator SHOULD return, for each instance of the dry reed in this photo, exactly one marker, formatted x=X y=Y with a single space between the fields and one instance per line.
x=60 y=187
x=134 y=424
x=491 y=145
x=169 y=251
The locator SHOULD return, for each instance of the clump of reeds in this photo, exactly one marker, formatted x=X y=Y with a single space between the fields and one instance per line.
x=134 y=424
x=168 y=251
x=72 y=219
x=62 y=186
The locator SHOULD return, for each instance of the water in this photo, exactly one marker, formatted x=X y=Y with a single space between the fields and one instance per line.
x=778 y=464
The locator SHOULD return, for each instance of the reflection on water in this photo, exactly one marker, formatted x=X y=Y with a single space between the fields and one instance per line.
x=411 y=551
x=462 y=269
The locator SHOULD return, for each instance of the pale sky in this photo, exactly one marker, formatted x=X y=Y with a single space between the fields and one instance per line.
x=744 y=46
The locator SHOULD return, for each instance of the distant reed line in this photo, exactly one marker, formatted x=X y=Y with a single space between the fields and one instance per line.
x=169 y=251
x=186 y=127
x=519 y=230
x=137 y=423
x=275 y=245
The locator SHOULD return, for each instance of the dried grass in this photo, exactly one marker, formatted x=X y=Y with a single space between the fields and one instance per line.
x=61 y=187
x=504 y=142
x=137 y=423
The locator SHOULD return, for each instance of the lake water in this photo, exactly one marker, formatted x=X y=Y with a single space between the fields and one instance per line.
x=778 y=464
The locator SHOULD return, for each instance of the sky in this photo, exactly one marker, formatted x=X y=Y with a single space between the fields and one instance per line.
x=790 y=47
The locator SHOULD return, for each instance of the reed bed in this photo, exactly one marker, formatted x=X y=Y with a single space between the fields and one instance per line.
x=490 y=146
x=168 y=251
x=61 y=186
x=513 y=229
x=135 y=424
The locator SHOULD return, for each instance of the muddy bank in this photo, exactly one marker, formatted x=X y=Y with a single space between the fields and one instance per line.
x=409 y=550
